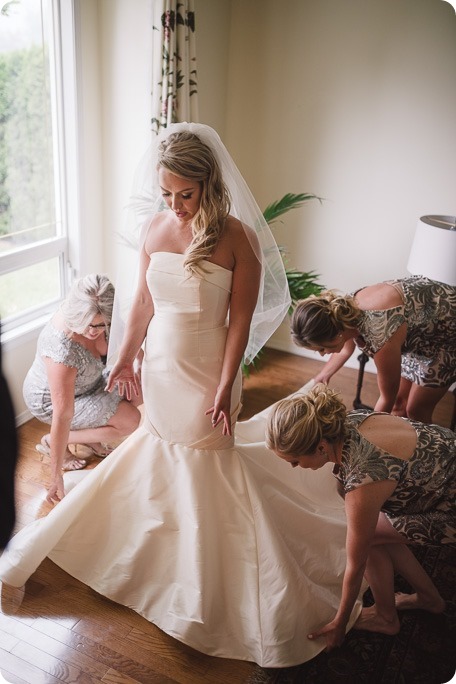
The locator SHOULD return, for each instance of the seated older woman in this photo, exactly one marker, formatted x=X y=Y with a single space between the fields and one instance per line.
x=65 y=387
x=398 y=479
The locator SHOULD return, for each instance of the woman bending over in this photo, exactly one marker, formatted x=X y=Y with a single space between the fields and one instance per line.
x=407 y=326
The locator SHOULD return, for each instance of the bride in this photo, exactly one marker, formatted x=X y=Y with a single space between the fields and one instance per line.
x=208 y=536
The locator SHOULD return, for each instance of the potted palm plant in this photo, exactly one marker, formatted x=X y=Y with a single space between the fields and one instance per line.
x=301 y=283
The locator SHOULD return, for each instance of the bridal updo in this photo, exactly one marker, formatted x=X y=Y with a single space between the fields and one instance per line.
x=320 y=318
x=185 y=155
x=297 y=424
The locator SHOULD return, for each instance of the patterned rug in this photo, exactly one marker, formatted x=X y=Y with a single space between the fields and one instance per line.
x=424 y=651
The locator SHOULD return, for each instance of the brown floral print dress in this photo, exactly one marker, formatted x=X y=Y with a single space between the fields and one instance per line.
x=429 y=310
x=423 y=505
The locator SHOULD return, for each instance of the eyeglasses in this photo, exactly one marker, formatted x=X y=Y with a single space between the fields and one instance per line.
x=98 y=326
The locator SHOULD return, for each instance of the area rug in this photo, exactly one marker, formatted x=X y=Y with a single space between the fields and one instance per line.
x=424 y=651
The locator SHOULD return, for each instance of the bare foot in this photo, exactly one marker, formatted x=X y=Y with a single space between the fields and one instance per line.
x=433 y=604
x=371 y=621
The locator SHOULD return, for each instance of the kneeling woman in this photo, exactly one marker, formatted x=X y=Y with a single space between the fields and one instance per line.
x=398 y=479
x=65 y=387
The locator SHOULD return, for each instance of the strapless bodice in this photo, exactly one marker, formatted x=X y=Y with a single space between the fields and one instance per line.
x=187 y=302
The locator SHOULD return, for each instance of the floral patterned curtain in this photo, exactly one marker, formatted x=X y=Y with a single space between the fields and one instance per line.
x=174 y=87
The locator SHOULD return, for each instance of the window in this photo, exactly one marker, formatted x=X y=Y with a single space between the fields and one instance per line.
x=34 y=244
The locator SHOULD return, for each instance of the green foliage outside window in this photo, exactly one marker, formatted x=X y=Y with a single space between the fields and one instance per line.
x=27 y=202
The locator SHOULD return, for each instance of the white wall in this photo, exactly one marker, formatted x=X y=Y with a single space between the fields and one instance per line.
x=126 y=77
x=213 y=34
x=89 y=140
x=354 y=101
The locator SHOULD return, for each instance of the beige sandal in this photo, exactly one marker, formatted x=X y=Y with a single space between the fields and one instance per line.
x=70 y=462
x=89 y=450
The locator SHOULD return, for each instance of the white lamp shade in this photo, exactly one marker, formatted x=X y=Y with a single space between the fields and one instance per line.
x=433 y=252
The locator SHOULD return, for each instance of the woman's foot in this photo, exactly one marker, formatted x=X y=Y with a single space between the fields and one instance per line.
x=44 y=447
x=87 y=450
x=433 y=604
x=371 y=621
x=70 y=461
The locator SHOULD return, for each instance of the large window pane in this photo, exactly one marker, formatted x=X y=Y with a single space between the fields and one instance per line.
x=27 y=201
x=22 y=291
x=30 y=150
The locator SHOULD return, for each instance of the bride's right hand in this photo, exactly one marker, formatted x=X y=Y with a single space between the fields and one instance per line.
x=126 y=379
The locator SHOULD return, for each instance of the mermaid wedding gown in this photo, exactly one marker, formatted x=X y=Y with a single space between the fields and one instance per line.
x=216 y=541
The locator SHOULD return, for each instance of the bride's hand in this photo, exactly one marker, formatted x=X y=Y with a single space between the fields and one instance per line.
x=126 y=379
x=221 y=410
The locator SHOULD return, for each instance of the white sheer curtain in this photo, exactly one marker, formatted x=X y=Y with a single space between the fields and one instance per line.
x=174 y=86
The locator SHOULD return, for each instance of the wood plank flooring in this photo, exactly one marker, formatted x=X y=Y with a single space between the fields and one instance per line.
x=59 y=630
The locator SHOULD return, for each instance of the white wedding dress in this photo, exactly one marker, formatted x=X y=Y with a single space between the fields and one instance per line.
x=214 y=539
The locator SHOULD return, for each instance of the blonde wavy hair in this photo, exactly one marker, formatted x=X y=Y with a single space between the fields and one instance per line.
x=186 y=156
x=90 y=296
x=320 y=318
x=297 y=424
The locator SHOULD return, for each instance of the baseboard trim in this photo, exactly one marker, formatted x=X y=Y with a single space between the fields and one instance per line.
x=23 y=417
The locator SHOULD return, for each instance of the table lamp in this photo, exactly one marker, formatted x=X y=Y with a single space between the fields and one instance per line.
x=433 y=252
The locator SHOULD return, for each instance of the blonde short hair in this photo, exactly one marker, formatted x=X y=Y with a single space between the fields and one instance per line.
x=297 y=424
x=320 y=318
x=185 y=155
x=90 y=296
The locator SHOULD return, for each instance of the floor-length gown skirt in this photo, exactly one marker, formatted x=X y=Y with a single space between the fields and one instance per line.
x=218 y=542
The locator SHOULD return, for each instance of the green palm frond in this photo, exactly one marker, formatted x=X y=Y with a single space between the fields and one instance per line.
x=253 y=365
x=7 y=6
x=288 y=202
x=302 y=284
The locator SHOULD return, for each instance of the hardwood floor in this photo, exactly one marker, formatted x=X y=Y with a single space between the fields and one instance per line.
x=283 y=373
x=59 y=630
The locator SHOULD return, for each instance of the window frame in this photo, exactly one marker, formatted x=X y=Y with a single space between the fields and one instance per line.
x=65 y=119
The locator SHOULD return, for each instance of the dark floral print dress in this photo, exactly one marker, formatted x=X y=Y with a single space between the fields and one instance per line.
x=429 y=310
x=423 y=505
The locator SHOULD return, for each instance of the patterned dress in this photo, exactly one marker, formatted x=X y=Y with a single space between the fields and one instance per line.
x=429 y=310
x=93 y=406
x=423 y=505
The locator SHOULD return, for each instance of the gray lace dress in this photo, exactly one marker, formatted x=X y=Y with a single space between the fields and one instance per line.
x=423 y=505
x=429 y=310
x=93 y=406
